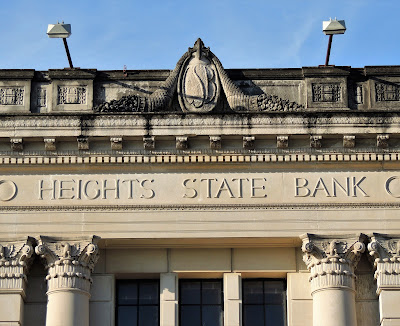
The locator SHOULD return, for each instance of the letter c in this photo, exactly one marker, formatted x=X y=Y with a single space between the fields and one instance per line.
x=387 y=187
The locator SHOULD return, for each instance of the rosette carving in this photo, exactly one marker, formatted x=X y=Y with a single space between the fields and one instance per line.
x=332 y=260
x=385 y=250
x=69 y=263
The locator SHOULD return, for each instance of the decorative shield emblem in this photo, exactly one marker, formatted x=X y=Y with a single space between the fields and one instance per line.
x=199 y=86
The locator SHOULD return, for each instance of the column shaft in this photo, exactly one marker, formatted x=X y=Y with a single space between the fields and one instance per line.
x=334 y=307
x=72 y=306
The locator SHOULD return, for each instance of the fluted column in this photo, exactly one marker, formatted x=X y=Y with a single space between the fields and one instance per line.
x=386 y=251
x=331 y=261
x=70 y=264
x=15 y=257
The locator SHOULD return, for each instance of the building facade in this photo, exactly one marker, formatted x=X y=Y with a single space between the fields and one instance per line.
x=200 y=196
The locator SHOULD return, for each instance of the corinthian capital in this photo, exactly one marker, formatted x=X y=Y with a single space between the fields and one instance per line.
x=385 y=250
x=332 y=259
x=69 y=262
x=15 y=257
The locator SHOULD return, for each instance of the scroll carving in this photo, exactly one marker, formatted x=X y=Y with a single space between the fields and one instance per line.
x=69 y=263
x=15 y=258
x=386 y=253
x=332 y=261
x=198 y=78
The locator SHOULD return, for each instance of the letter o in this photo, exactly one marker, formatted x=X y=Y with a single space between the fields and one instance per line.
x=8 y=190
x=387 y=187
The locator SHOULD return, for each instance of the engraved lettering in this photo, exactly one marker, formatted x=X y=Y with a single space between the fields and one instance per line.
x=320 y=186
x=95 y=190
x=150 y=192
x=345 y=190
x=392 y=186
x=193 y=191
x=63 y=189
x=8 y=190
x=79 y=190
x=224 y=187
x=131 y=181
x=240 y=185
x=356 y=185
x=115 y=188
x=51 y=188
x=208 y=186
x=303 y=185
x=254 y=188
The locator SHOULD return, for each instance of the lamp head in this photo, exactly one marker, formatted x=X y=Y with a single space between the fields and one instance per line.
x=59 y=30
x=333 y=26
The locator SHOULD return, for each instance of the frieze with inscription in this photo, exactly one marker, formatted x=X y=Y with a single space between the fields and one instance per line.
x=201 y=188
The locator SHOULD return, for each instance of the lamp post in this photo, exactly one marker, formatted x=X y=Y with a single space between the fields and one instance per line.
x=61 y=31
x=331 y=27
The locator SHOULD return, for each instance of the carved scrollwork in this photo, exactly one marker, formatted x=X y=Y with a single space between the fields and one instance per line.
x=199 y=77
x=332 y=261
x=69 y=263
x=386 y=253
x=15 y=258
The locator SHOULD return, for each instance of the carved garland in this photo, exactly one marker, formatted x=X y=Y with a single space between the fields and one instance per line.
x=200 y=75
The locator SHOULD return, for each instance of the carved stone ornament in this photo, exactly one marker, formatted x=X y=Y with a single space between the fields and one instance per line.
x=198 y=78
x=149 y=142
x=181 y=142
x=349 y=141
x=282 y=141
x=382 y=141
x=316 y=141
x=17 y=144
x=69 y=263
x=248 y=142
x=215 y=142
x=198 y=86
x=332 y=260
x=15 y=257
x=50 y=144
x=386 y=253
x=116 y=143
x=83 y=143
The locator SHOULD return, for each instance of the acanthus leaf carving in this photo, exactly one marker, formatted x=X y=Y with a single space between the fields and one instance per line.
x=15 y=258
x=332 y=260
x=69 y=263
x=385 y=250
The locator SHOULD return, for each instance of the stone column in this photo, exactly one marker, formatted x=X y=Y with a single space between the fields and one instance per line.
x=14 y=259
x=69 y=265
x=331 y=261
x=232 y=299
x=168 y=299
x=386 y=251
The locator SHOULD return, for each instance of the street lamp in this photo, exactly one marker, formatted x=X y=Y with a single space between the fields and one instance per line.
x=330 y=28
x=61 y=31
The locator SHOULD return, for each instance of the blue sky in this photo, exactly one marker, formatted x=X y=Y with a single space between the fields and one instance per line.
x=154 y=34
